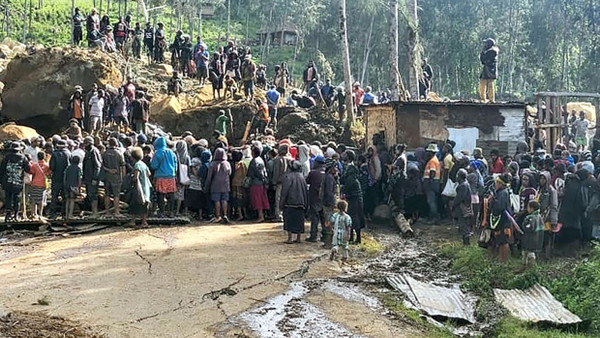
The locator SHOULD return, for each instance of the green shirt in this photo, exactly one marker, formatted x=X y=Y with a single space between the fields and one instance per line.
x=221 y=124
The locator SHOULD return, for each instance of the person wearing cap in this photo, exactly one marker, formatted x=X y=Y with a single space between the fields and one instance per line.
x=113 y=167
x=315 y=180
x=92 y=164
x=59 y=161
x=77 y=106
x=12 y=175
x=140 y=112
x=431 y=180
x=489 y=60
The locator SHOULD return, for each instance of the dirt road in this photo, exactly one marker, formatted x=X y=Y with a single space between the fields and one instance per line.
x=197 y=281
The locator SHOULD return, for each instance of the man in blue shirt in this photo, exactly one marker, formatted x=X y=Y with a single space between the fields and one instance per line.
x=328 y=91
x=272 y=101
x=201 y=57
x=368 y=97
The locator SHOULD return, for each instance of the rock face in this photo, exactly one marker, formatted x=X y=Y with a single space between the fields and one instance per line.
x=313 y=125
x=38 y=86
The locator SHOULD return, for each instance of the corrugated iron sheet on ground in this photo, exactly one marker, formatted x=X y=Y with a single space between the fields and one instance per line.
x=436 y=301
x=535 y=304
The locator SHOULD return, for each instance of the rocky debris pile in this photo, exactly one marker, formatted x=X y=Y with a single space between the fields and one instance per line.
x=8 y=49
x=38 y=86
x=309 y=125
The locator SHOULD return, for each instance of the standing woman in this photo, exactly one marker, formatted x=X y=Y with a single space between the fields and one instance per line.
x=217 y=183
x=164 y=163
x=258 y=178
x=499 y=221
x=141 y=173
x=294 y=202
x=183 y=159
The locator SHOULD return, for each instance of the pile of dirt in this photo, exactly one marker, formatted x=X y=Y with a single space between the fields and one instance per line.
x=309 y=125
x=38 y=85
x=32 y=325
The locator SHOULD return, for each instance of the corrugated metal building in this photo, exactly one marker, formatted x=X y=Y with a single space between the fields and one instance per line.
x=470 y=124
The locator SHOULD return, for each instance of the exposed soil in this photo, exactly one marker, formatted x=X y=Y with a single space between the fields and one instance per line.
x=33 y=325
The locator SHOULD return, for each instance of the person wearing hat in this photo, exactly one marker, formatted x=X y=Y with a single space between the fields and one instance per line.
x=431 y=180
x=314 y=180
x=60 y=160
x=77 y=106
x=92 y=164
x=489 y=60
x=12 y=174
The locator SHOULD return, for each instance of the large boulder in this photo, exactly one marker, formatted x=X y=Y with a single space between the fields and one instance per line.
x=12 y=132
x=38 y=86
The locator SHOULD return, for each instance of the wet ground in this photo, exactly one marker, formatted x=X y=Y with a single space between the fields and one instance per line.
x=222 y=281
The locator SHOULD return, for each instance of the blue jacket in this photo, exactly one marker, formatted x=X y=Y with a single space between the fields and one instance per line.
x=164 y=161
x=273 y=96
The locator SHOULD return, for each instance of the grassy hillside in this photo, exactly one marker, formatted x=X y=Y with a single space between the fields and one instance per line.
x=50 y=25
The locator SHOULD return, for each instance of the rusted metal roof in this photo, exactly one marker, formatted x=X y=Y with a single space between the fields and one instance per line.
x=535 y=304
x=434 y=300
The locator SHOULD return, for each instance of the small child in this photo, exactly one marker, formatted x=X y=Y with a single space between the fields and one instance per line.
x=342 y=224
x=72 y=184
x=532 y=239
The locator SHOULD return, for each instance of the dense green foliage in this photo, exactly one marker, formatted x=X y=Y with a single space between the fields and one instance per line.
x=545 y=44
x=574 y=283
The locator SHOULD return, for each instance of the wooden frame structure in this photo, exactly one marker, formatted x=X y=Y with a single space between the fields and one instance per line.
x=551 y=112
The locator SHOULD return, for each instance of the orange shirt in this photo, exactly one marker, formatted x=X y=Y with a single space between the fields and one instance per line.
x=433 y=164
x=264 y=112
x=39 y=171
x=77 y=109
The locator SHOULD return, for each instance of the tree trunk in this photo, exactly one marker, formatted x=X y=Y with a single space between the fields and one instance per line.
x=414 y=56
x=72 y=22
x=367 y=51
x=142 y=7
x=24 y=22
x=108 y=7
x=228 y=19
x=219 y=30
x=398 y=93
x=200 y=20
x=346 y=61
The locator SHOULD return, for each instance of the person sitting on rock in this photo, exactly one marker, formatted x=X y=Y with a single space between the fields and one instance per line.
x=110 y=45
x=74 y=131
x=175 y=85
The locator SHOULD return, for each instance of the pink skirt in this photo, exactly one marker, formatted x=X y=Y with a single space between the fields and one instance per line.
x=166 y=185
x=258 y=197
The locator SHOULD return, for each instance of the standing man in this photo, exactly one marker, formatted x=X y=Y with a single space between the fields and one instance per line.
x=272 y=101
x=113 y=165
x=121 y=30
x=186 y=54
x=78 y=20
x=138 y=35
x=425 y=81
x=140 y=112
x=12 y=172
x=59 y=162
x=247 y=70
x=92 y=163
x=431 y=180
x=310 y=74
x=149 y=41
x=160 y=43
x=77 y=106
x=201 y=59
x=581 y=127
x=489 y=60
x=222 y=121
